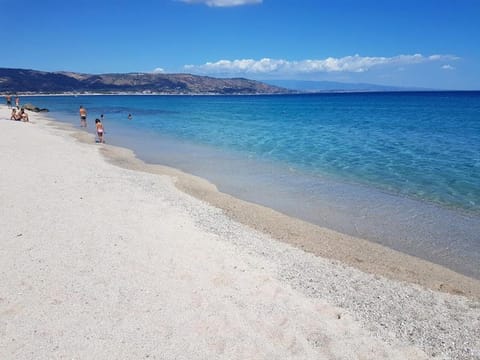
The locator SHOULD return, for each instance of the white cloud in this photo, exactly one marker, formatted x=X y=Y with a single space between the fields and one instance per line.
x=158 y=70
x=223 y=3
x=355 y=64
x=448 y=67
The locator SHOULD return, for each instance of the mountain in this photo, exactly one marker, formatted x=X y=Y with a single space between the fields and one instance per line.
x=23 y=80
x=332 y=86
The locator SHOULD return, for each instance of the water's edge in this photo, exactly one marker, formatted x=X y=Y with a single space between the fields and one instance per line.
x=444 y=236
x=365 y=255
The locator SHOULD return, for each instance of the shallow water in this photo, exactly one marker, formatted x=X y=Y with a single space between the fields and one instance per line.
x=400 y=169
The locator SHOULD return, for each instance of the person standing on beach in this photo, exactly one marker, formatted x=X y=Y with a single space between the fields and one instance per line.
x=17 y=102
x=9 y=101
x=100 y=130
x=83 y=117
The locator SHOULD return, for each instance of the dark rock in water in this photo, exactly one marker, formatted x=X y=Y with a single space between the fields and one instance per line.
x=29 y=107
x=33 y=108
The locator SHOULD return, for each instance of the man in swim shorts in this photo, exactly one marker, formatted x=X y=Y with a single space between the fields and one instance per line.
x=83 y=117
x=9 y=101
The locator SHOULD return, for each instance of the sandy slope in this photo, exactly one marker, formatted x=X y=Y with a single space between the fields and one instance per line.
x=97 y=261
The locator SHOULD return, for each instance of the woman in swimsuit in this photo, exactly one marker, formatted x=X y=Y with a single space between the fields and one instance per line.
x=100 y=130
x=24 y=115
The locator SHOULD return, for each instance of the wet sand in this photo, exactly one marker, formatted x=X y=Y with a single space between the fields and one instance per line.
x=362 y=254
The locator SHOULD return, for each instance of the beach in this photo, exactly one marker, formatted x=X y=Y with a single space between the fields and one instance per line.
x=104 y=256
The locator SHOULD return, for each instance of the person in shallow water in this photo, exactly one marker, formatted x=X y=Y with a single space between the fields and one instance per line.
x=100 y=130
x=83 y=116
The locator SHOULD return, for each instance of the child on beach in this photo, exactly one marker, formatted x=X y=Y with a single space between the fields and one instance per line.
x=100 y=130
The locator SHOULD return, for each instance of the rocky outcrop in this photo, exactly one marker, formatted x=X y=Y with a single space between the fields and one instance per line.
x=21 y=80
x=34 y=108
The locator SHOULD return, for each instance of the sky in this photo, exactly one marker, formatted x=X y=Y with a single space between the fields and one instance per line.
x=413 y=43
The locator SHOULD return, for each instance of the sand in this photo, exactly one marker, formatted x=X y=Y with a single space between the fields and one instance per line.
x=105 y=261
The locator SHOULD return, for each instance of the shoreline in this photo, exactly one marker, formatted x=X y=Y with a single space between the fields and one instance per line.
x=115 y=261
x=347 y=203
x=365 y=255
x=362 y=254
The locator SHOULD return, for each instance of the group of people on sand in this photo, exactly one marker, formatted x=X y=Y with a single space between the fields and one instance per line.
x=98 y=124
x=9 y=101
x=18 y=114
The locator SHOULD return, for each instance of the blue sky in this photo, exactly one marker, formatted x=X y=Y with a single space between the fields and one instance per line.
x=423 y=43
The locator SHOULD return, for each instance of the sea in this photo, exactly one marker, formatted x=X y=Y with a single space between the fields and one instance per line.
x=398 y=168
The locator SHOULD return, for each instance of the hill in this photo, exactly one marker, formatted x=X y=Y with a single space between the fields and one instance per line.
x=333 y=86
x=23 y=80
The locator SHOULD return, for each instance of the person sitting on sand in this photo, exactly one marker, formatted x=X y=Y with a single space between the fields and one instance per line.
x=13 y=116
x=100 y=130
x=18 y=115
x=24 y=115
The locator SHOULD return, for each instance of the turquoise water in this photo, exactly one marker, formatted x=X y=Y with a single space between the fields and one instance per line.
x=398 y=168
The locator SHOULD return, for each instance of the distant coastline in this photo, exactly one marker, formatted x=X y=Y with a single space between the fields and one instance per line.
x=33 y=82
x=299 y=93
x=292 y=93
x=23 y=81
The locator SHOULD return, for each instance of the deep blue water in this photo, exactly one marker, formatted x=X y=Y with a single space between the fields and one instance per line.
x=398 y=168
